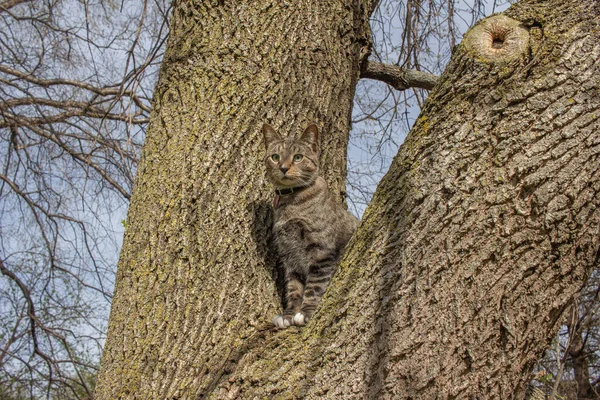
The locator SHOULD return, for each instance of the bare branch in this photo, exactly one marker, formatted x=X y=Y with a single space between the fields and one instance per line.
x=113 y=90
x=398 y=78
x=8 y=4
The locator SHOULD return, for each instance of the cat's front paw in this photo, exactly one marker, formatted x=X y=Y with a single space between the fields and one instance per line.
x=299 y=319
x=282 y=321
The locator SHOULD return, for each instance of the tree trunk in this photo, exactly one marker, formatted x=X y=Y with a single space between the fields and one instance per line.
x=196 y=272
x=476 y=240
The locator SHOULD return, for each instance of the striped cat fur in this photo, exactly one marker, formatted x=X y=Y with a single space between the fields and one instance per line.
x=311 y=229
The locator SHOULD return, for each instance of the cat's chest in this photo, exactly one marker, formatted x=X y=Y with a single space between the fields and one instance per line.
x=284 y=218
x=307 y=219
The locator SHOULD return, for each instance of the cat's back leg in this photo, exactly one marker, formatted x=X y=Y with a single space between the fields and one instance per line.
x=319 y=274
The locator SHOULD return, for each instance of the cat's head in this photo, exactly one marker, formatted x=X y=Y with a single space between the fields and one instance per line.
x=292 y=161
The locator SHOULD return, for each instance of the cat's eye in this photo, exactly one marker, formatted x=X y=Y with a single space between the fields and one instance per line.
x=275 y=157
x=298 y=157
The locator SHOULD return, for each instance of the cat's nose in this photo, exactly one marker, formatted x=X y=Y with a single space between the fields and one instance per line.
x=284 y=169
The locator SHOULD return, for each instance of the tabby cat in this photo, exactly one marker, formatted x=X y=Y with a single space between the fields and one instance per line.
x=310 y=228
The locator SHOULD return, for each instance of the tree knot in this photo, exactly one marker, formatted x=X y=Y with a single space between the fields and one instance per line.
x=497 y=39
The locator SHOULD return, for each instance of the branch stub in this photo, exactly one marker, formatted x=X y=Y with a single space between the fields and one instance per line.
x=498 y=39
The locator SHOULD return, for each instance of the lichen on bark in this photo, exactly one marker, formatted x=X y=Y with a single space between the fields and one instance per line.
x=196 y=276
x=474 y=242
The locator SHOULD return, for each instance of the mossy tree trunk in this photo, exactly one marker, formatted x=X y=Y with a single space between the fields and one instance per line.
x=196 y=275
x=486 y=225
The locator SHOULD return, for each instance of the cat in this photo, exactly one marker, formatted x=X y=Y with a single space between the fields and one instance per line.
x=311 y=229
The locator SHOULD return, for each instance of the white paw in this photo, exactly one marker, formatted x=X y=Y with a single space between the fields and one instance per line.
x=299 y=319
x=281 y=322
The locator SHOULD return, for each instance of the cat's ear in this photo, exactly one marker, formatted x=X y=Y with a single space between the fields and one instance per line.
x=311 y=135
x=269 y=134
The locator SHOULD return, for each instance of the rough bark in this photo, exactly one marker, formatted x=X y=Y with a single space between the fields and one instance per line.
x=196 y=275
x=476 y=240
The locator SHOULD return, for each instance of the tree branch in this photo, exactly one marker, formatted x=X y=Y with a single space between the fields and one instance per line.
x=8 y=4
x=113 y=90
x=398 y=78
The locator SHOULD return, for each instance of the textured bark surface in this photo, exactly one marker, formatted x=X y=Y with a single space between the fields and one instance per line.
x=477 y=238
x=195 y=276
